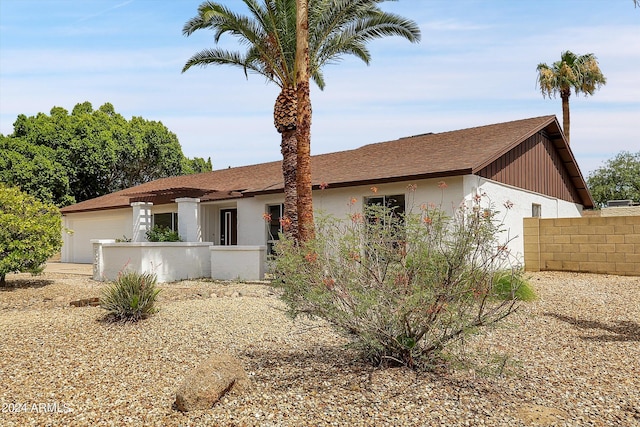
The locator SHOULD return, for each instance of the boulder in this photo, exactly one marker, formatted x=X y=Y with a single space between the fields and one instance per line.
x=206 y=384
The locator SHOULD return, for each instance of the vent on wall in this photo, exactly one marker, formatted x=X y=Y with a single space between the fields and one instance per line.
x=619 y=203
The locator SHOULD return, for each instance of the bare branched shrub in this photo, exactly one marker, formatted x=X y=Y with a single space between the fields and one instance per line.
x=402 y=286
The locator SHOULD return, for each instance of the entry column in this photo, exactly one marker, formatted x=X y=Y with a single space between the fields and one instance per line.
x=141 y=220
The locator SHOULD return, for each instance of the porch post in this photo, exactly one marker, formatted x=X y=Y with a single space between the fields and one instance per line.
x=141 y=220
x=189 y=219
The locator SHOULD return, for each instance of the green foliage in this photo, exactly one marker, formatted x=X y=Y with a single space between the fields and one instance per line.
x=162 y=234
x=65 y=158
x=131 y=297
x=34 y=170
x=619 y=179
x=403 y=287
x=508 y=286
x=30 y=232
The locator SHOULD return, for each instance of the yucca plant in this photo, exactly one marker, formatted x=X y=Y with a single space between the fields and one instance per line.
x=131 y=297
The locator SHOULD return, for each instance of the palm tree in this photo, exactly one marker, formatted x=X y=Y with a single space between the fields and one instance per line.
x=306 y=229
x=580 y=72
x=336 y=28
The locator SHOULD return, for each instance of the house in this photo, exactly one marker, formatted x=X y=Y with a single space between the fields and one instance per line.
x=525 y=163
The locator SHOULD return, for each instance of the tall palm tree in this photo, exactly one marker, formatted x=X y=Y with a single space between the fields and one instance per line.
x=580 y=72
x=336 y=28
x=306 y=229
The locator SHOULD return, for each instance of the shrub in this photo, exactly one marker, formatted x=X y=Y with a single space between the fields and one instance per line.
x=30 y=232
x=162 y=234
x=131 y=297
x=402 y=287
x=508 y=286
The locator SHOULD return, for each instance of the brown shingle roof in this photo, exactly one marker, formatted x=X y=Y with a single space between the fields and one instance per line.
x=430 y=155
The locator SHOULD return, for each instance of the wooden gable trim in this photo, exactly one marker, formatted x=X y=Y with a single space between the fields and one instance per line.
x=541 y=164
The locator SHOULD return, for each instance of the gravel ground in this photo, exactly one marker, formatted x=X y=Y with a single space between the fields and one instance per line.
x=572 y=358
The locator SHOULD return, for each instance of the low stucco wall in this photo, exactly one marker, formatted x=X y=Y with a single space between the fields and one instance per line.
x=169 y=261
x=238 y=262
x=609 y=245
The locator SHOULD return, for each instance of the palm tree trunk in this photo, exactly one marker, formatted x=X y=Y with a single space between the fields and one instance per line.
x=306 y=230
x=289 y=149
x=566 y=120
x=284 y=119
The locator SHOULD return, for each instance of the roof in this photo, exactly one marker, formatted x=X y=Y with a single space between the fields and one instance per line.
x=430 y=155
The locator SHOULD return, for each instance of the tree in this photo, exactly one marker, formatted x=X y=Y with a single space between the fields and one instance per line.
x=336 y=28
x=303 y=125
x=619 y=179
x=30 y=232
x=34 y=170
x=580 y=72
x=65 y=158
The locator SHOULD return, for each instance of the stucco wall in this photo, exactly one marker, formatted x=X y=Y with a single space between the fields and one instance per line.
x=337 y=202
x=86 y=226
x=169 y=261
x=521 y=202
x=591 y=244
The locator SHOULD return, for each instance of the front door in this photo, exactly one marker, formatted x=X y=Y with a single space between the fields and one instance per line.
x=228 y=226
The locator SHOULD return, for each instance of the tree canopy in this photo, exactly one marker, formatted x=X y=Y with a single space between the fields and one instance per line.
x=270 y=34
x=30 y=232
x=578 y=72
x=66 y=158
x=619 y=179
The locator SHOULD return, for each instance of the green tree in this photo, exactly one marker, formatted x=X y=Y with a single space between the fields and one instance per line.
x=578 y=72
x=67 y=158
x=30 y=232
x=619 y=179
x=33 y=169
x=336 y=28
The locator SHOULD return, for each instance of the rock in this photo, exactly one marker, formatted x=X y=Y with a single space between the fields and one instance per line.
x=207 y=383
x=541 y=415
x=93 y=302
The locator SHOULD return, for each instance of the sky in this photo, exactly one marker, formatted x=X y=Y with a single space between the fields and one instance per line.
x=475 y=65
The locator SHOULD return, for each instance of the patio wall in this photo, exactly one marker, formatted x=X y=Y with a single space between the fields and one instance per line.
x=608 y=245
x=169 y=261
x=173 y=261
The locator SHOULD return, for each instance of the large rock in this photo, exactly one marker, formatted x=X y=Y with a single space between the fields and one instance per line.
x=206 y=384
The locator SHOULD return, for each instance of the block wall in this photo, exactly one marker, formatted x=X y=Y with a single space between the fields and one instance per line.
x=608 y=245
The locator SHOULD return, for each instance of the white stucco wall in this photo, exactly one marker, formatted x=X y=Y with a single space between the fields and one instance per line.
x=522 y=200
x=169 y=261
x=86 y=226
x=337 y=202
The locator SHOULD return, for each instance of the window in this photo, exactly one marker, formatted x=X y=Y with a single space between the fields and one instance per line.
x=536 y=210
x=396 y=203
x=395 y=221
x=274 y=228
x=168 y=220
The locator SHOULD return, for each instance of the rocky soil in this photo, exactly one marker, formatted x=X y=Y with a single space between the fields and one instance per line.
x=572 y=358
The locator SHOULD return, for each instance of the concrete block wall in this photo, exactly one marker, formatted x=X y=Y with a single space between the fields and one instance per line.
x=608 y=245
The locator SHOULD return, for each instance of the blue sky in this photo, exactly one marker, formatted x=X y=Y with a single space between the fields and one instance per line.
x=476 y=65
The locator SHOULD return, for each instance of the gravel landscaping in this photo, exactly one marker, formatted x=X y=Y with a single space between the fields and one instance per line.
x=572 y=358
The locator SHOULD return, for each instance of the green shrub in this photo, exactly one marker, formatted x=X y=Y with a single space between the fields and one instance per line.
x=508 y=286
x=131 y=297
x=30 y=232
x=402 y=287
x=160 y=233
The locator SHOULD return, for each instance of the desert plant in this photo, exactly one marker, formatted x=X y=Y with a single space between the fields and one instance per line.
x=402 y=287
x=160 y=233
x=506 y=286
x=131 y=297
